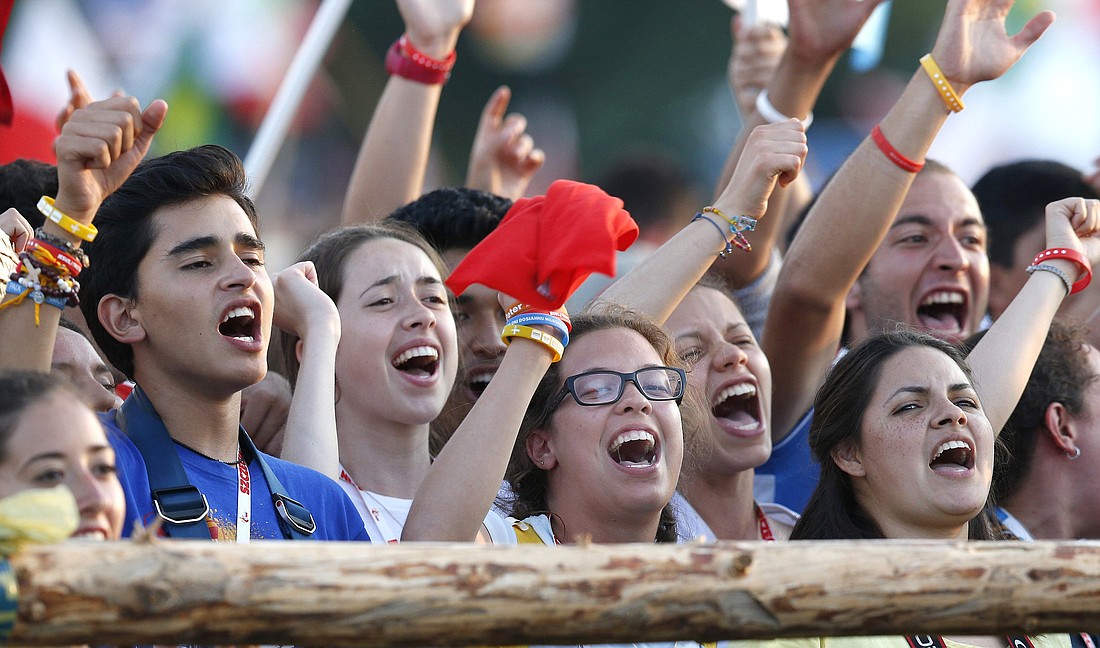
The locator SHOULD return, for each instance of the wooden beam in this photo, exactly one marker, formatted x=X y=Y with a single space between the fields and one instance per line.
x=343 y=594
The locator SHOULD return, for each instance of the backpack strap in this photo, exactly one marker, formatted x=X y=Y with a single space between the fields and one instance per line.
x=181 y=505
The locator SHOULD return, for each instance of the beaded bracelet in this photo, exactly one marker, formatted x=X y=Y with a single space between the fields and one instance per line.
x=66 y=222
x=57 y=283
x=894 y=155
x=1049 y=268
x=950 y=98
x=37 y=296
x=529 y=319
x=54 y=256
x=770 y=114
x=546 y=339
x=77 y=253
x=738 y=226
x=1085 y=275
x=404 y=60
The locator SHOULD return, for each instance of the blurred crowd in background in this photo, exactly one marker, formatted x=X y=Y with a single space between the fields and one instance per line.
x=599 y=81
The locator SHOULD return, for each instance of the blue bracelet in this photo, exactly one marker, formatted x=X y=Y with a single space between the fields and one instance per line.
x=527 y=319
x=9 y=600
x=721 y=232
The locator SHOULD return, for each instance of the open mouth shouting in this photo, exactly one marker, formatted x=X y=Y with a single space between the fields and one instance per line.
x=944 y=312
x=241 y=326
x=737 y=408
x=477 y=378
x=634 y=449
x=419 y=363
x=952 y=457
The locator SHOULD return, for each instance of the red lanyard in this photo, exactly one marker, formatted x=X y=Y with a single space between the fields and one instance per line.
x=377 y=511
x=765 y=528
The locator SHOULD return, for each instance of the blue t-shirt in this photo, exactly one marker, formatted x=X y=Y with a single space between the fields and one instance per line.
x=334 y=513
x=790 y=475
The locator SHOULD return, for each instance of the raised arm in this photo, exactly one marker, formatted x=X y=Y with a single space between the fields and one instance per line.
x=854 y=212
x=389 y=171
x=1002 y=361
x=503 y=158
x=97 y=150
x=306 y=311
x=820 y=31
x=464 y=479
x=773 y=154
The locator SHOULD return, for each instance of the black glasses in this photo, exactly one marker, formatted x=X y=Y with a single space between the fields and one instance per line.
x=603 y=387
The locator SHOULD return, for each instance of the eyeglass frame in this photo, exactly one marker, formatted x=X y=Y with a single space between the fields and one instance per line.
x=568 y=390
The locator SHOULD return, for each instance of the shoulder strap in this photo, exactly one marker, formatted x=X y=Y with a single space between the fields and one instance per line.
x=181 y=506
x=179 y=503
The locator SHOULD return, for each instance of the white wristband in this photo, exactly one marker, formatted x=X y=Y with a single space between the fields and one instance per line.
x=766 y=110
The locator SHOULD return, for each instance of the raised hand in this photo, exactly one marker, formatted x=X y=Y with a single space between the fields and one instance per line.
x=78 y=98
x=433 y=25
x=773 y=153
x=300 y=306
x=1073 y=223
x=825 y=28
x=973 y=44
x=99 y=147
x=755 y=55
x=503 y=158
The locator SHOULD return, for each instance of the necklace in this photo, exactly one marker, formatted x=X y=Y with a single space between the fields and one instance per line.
x=240 y=459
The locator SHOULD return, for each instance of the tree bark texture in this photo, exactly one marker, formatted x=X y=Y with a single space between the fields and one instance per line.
x=349 y=594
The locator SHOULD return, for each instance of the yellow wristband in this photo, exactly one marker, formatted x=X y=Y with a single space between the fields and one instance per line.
x=546 y=339
x=943 y=86
x=66 y=222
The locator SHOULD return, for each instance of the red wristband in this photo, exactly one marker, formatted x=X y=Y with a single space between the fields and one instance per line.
x=1085 y=275
x=404 y=60
x=895 y=156
x=63 y=258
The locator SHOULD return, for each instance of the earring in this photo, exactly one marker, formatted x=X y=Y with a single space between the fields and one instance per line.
x=1074 y=455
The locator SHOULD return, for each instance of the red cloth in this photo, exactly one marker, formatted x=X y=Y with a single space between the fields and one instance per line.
x=6 y=109
x=546 y=246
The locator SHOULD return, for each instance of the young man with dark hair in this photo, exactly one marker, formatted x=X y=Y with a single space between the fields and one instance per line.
x=1013 y=198
x=177 y=295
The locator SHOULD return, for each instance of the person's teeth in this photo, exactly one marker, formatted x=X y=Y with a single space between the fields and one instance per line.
x=242 y=311
x=740 y=389
x=950 y=445
x=415 y=352
x=633 y=435
x=943 y=297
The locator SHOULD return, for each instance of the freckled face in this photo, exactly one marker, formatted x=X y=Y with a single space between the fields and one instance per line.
x=924 y=462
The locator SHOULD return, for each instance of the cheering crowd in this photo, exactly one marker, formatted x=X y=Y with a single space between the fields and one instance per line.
x=899 y=356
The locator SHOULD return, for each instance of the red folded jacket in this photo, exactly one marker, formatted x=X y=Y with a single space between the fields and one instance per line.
x=546 y=246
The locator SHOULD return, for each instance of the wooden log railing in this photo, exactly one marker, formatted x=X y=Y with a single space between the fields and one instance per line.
x=342 y=594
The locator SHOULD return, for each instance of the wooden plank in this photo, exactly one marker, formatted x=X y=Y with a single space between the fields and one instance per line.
x=350 y=594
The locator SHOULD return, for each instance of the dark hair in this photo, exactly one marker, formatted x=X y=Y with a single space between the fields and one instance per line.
x=1013 y=198
x=19 y=390
x=833 y=513
x=1061 y=375
x=528 y=482
x=22 y=183
x=329 y=254
x=453 y=217
x=127 y=228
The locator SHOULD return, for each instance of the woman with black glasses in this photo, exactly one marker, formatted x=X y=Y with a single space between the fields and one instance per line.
x=601 y=444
